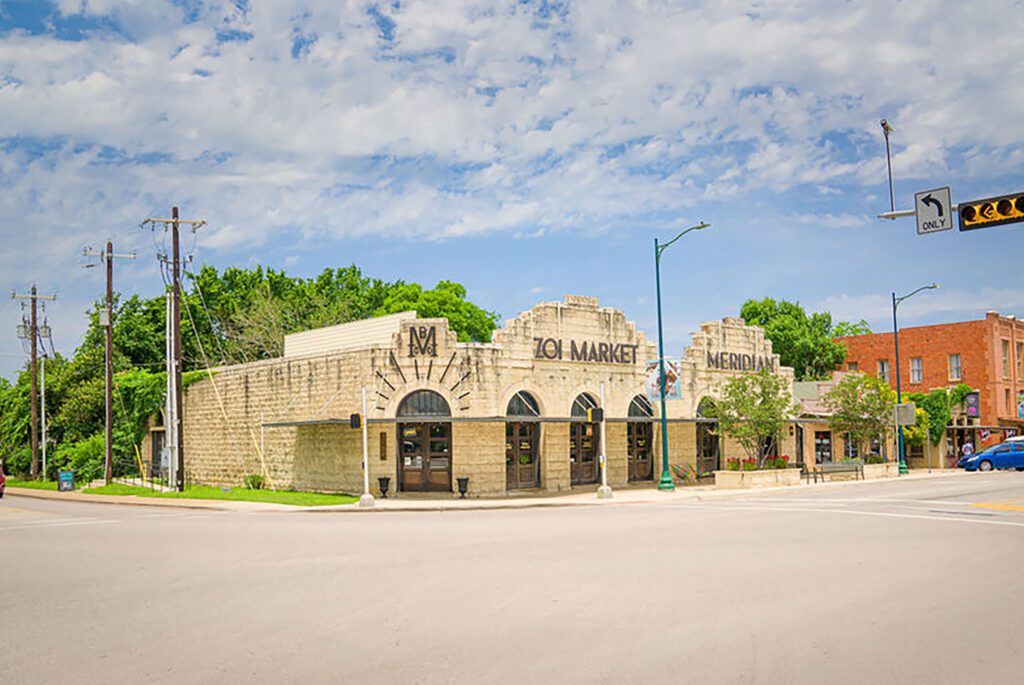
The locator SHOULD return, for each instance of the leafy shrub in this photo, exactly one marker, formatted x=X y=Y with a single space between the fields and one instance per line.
x=873 y=459
x=253 y=481
x=749 y=464
x=85 y=457
x=732 y=464
x=777 y=462
x=19 y=463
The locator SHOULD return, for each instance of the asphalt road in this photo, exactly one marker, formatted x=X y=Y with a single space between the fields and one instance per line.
x=908 y=582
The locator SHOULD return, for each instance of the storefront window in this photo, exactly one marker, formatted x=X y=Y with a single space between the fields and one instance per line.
x=850 y=450
x=822 y=447
x=883 y=369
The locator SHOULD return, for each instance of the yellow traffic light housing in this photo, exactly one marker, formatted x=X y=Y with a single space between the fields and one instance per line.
x=993 y=211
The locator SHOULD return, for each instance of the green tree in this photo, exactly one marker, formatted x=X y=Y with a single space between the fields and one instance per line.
x=803 y=342
x=228 y=317
x=844 y=329
x=447 y=300
x=914 y=436
x=862 y=406
x=753 y=410
x=938 y=405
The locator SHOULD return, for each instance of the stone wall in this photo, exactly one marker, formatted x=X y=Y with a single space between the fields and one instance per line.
x=288 y=418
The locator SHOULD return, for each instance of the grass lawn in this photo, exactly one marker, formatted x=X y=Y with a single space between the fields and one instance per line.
x=34 y=484
x=299 y=499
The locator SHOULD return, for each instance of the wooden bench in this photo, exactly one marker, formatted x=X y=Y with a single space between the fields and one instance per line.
x=854 y=466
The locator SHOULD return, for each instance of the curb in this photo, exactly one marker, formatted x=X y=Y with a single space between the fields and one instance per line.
x=678 y=496
x=134 y=500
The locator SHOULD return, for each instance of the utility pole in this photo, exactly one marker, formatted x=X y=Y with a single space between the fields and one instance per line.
x=175 y=361
x=107 y=320
x=32 y=333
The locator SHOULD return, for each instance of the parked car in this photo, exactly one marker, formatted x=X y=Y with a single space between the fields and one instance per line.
x=1009 y=455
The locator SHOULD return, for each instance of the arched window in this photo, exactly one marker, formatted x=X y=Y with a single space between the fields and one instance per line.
x=706 y=408
x=640 y=408
x=581 y=404
x=423 y=403
x=523 y=404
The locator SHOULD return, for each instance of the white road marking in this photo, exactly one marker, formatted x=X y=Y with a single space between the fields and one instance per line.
x=1018 y=524
x=60 y=524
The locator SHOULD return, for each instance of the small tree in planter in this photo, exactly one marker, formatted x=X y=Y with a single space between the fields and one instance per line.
x=862 y=406
x=753 y=410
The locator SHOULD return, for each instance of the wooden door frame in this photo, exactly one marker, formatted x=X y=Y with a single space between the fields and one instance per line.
x=400 y=459
x=535 y=440
x=595 y=434
x=631 y=453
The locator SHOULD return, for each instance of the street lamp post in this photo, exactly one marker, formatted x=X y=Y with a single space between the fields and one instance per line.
x=666 y=478
x=896 y=343
x=887 y=129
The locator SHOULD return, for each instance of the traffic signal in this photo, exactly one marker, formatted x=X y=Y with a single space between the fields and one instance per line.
x=595 y=415
x=355 y=421
x=993 y=211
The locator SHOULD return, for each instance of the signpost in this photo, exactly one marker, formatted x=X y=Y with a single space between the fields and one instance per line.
x=972 y=402
x=906 y=414
x=934 y=210
x=673 y=386
x=65 y=480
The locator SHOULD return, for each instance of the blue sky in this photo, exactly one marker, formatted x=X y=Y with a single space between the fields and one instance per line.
x=525 y=149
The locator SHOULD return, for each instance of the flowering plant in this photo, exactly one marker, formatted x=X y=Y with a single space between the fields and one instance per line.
x=777 y=462
x=749 y=464
x=732 y=464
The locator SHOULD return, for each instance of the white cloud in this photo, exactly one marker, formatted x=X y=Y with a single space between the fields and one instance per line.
x=947 y=305
x=479 y=118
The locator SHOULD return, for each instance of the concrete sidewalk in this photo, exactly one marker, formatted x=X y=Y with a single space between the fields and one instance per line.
x=632 y=495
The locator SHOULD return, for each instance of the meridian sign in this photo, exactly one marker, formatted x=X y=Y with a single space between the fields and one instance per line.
x=733 y=361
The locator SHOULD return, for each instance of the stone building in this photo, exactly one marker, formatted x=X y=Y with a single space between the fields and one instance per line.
x=510 y=415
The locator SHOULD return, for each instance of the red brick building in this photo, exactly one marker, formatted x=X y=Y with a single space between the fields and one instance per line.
x=987 y=354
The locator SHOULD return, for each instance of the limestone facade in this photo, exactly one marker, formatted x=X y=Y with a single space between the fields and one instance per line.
x=288 y=418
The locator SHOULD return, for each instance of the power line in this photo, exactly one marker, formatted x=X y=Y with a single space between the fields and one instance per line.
x=174 y=366
x=107 y=319
x=29 y=329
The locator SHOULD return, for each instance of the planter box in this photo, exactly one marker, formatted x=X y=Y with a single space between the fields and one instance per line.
x=767 y=478
x=887 y=470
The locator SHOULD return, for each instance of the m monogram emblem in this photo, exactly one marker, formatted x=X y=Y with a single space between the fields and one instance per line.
x=422 y=341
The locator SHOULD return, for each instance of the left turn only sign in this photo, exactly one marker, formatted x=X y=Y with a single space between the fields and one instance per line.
x=934 y=210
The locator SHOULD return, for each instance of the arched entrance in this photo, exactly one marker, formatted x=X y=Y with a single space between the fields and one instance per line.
x=425 y=439
x=708 y=445
x=640 y=438
x=522 y=442
x=584 y=442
